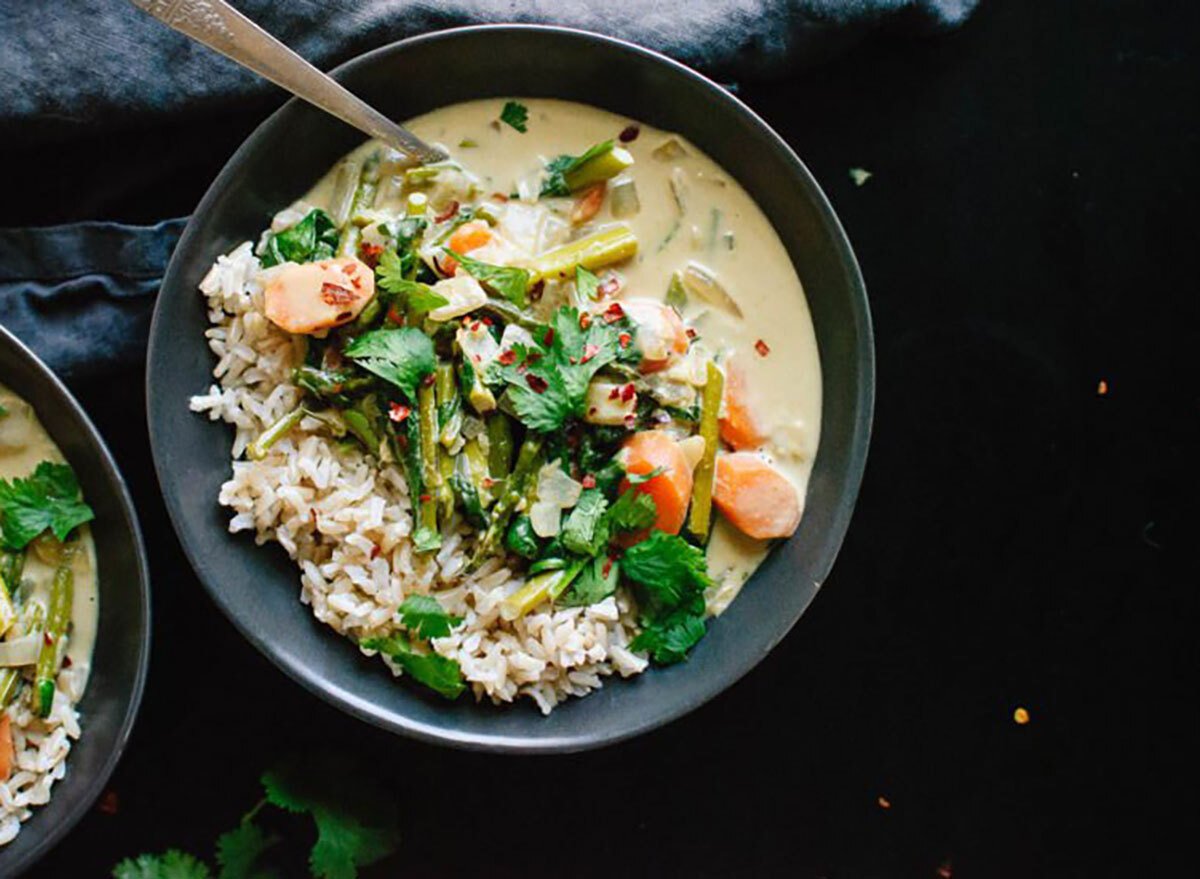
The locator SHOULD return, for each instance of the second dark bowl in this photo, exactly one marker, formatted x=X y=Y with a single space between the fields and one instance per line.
x=258 y=588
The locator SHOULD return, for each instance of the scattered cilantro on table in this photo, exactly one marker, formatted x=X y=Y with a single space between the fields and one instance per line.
x=355 y=822
x=516 y=115
x=48 y=498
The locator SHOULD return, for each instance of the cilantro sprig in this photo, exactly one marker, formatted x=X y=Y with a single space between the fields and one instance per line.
x=355 y=824
x=423 y=615
x=669 y=577
x=401 y=356
x=49 y=498
x=559 y=167
x=507 y=281
x=516 y=115
x=312 y=238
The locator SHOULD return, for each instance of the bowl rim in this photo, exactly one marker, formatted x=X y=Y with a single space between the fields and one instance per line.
x=864 y=404
x=52 y=835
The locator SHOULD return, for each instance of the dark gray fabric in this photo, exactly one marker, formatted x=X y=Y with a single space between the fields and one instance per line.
x=81 y=294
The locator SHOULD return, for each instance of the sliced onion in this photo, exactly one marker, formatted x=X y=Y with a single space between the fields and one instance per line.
x=704 y=284
x=21 y=651
x=556 y=487
x=624 y=197
x=544 y=517
x=669 y=150
x=679 y=188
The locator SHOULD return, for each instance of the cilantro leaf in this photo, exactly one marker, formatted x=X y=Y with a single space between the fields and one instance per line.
x=515 y=114
x=548 y=381
x=390 y=275
x=668 y=640
x=401 y=356
x=633 y=511
x=238 y=851
x=49 y=498
x=559 y=167
x=3 y=410
x=172 y=864
x=639 y=478
x=595 y=582
x=440 y=674
x=423 y=615
x=586 y=283
x=510 y=282
x=584 y=532
x=671 y=571
x=356 y=824
x=312 y=238
x=426 y=539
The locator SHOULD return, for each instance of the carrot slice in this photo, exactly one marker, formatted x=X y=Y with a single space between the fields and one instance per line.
x=588 y=204
x=671 y=489
x=7 y=753
x=756 y=497
x=467 y=237
x=739 y=427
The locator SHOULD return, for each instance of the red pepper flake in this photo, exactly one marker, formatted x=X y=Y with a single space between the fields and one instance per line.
x=450 y=212
x=1102 y=388
x=607 y=567
x=628 y=135
x=548 y=338
x=428 y=380
x=426 y=498
x=630 y=421
x=884 y=803
x=627 y=393
x=344 y=316
x=332 y=294
x=761 y=347
x=487 y=321
x=66 y=662
x=356 y=282
x=500 y=197
x=608 y=286
x=536 y=291
x=397 y=412
x=488 y=482
x=376 y=549
x=394 y=316
x=574 y=360
x=349 y=268
x=589 y=481
x=536 y=383
x=614 y=394
x=592 y=411
x=691 y=333
x=585 y=320
x=532 y=357
x=589 y=351
x=109 y=803
x=49 y=638
x=625 y=339
x=508 y=356
x=371 y=254
x=613 y=313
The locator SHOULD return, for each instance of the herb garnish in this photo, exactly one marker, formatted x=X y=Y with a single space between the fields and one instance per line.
x=670 y=576
x=509 y=282
x=515 y=114
x=439 y=673
x=312 y=238
x=559 y=167
x=424 y=615
x=401 y=356
x=48 y=498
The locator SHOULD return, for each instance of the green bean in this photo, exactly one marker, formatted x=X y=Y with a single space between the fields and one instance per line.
x=33 y=615
x=500 y=445
x=8 y=611
x=528 y=463
x=468 y=487
x=259 y=448
x=477 y=466
x=330 y=383
x=700 y=514
x=509 y=313
x=58 y=618
x=368 y=316
x=609 y=246
x=431 y=477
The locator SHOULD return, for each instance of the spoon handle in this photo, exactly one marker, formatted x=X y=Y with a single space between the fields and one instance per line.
x=219 y=26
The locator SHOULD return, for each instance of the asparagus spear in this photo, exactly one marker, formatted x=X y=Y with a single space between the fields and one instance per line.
x=449 y=405
x=12 y=565
x=528 y=461
x=500 y=445
x=467 y=481
x=58 y=618
x=603 y=248
x=8 y=612
x=364 y=197
x=700 y=515
x=329 y=383
x=32 y=617
x=545 y=586
x=607 y=163
x=428 y=537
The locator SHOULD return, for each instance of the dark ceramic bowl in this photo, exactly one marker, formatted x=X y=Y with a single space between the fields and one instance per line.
x=258 y=587
x=122 y=650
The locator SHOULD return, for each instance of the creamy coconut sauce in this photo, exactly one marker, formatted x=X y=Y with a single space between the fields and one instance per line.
x=24 y=444
x=720 y=227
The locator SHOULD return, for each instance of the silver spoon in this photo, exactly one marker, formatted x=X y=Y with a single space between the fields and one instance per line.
x=219 y=26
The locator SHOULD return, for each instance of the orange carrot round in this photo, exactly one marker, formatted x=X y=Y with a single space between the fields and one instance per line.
x=739 y=427
x=672 y=488
x=755 y=497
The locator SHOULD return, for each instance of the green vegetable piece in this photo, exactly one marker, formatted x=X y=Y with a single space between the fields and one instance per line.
x=677 y=296
x=595 y=583
x=313 y=238
x=515 y=114
x=521 y=538
x=602 y=248
x=364 y=197
x=500 y=445
x=49 y=498
x=553 y=563
x=258 y=449
x=440 y=674
x=528 y=461
x=58 y=618
x=566 y=174
x=402 y=356
x=427 y=536
x=583 y=533
x=670 y=571
x=508 y=282
x=700 y=512
x=586 y=283
x=669 y=640
x=33 y=615
x=423 y=616
x=633 y=511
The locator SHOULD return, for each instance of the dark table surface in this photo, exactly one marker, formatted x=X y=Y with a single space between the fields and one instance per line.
x=1027 y=239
